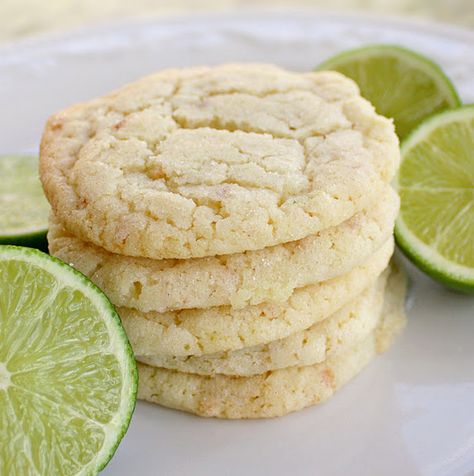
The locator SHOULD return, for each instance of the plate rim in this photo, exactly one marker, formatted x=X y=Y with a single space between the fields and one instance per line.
x=47 y=39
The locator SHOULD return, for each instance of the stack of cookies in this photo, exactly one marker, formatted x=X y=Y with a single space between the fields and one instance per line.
x=241 y=220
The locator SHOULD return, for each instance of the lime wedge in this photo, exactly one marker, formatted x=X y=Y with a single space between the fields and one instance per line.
x=23 y=206
x=436 y=185
x=68 y=379
x=400 y=83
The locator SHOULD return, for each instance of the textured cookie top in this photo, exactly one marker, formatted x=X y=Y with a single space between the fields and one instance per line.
x=204 y=161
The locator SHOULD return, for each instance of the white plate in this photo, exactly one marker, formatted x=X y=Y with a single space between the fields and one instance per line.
x=412 y=411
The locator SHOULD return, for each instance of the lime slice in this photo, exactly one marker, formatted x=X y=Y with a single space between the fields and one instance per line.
x=436 y=185
x=23 y=206
x=68 y=379
x=401 y=84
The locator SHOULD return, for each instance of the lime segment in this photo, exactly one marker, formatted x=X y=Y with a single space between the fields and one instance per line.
x=23 y=206
x=436 y=185
x=67 y=375
x=400 y=83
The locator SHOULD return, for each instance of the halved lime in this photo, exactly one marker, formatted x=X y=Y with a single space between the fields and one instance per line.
x=400 y=83
x=23 y=206
x=436 y=186
x=68 y=379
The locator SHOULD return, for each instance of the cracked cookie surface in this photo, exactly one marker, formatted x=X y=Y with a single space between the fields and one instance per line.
x=238 y=280
x=211 y=161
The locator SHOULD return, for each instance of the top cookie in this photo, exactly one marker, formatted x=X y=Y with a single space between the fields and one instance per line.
x=205 y=161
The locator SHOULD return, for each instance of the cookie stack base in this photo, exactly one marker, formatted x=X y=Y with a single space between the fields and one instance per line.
x=274 y=393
